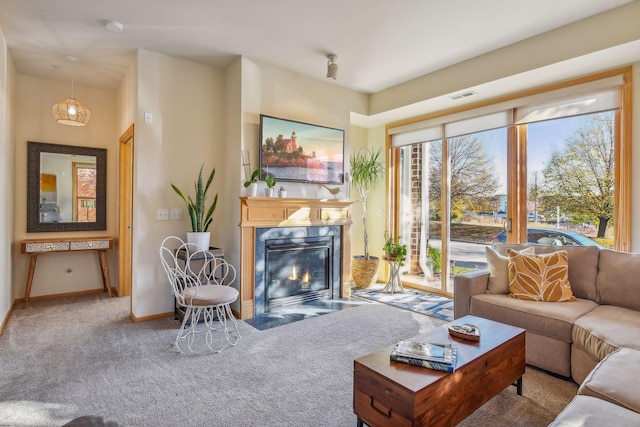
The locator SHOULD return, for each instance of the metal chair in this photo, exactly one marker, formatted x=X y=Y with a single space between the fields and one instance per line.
x=201 y=285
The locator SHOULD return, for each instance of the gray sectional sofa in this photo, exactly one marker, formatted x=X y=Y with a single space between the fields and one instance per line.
x=570 y=338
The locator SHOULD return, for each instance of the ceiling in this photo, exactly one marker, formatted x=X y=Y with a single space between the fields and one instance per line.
x=379 y=43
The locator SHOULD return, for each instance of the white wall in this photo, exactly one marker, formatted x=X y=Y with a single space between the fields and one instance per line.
x=33 y=122
x=186 y=102
x=7 y=177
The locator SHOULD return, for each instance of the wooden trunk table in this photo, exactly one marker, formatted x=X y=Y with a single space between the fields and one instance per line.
x=387 y=393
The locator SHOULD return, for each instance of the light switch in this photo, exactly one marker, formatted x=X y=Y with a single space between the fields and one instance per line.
x=162 y=214
x=175 y=214
x=148 y=118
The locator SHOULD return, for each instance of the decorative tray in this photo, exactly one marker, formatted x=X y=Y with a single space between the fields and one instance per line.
x=466 y=331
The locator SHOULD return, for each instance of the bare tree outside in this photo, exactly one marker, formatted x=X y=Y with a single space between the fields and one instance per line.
x=473 y=180
x=580 y=178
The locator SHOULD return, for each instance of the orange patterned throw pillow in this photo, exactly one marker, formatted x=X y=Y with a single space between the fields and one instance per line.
x=542 y=277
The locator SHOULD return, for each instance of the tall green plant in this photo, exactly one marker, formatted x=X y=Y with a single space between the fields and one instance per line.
x=196 y=207
x=366 y=172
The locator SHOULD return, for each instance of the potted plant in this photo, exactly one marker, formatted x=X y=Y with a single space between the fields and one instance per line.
x=282 y=193
x=252 y=183
x=201 y=216
x=366 y=172
x=271 y=183
x=394 y=251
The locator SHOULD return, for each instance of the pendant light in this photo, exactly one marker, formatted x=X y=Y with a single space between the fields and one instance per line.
x=70 y=111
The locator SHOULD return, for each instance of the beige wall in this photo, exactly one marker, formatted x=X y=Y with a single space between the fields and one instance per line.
x=609 y=29
x=33 y=122
x=186 y=102
x=7 y=177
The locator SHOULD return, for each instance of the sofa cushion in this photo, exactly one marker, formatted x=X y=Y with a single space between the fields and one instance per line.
x=587 y=411
x=583 y=268
x=539 y=277
x=583 y=265
x=615 y=379
x=551 y=319
x=499 y=271
x=605 y=329
x=617 y=281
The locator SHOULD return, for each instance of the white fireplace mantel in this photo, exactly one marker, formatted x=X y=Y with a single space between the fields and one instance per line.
x=261 y=212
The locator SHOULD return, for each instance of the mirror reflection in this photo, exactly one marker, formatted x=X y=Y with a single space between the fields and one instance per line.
x=66 y=188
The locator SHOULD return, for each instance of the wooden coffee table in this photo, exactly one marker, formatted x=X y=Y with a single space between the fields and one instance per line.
x=387 y=393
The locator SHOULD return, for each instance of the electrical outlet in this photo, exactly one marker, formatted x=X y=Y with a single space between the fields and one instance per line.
x=175 y=214
x=162 y=214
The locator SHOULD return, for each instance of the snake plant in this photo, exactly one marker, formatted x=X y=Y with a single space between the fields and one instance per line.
x=196 y=207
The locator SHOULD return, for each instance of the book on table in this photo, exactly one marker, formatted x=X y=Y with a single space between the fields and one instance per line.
x=441 y=357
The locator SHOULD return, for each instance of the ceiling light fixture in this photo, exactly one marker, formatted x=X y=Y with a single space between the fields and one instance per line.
x=332 y=67
x=70 y=111
x=113 y=26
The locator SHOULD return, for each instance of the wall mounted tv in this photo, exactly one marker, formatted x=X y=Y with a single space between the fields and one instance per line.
x=301 y=152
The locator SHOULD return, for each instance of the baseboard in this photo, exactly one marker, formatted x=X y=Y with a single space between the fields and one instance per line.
x=135 y=319
x=6 y=318
x=63 y=295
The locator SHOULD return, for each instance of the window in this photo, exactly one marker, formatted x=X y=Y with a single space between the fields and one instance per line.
x=84 y=192
x=469 y=178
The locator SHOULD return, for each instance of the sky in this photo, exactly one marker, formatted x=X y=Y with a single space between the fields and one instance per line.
x=543 y=138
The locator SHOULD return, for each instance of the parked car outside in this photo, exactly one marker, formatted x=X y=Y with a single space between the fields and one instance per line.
x=552 y=236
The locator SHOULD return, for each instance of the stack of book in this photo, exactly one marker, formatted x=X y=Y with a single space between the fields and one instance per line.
x=441 y=357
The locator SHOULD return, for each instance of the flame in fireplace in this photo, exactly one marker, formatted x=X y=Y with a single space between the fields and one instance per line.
x=294 y=275
x=305 y=277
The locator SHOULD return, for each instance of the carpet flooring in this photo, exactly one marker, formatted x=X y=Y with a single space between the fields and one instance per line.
x=82 y=356
x=411 y=299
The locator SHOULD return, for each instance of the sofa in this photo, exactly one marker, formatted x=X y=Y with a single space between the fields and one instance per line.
x=596 y=330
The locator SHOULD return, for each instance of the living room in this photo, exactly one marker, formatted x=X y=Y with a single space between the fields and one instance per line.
x=214 y=114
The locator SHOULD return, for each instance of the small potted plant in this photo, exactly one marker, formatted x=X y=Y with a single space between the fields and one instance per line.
x=282 y=193
x=394 y=251
x=252 y=183
x=201 y=217
x=271 y=183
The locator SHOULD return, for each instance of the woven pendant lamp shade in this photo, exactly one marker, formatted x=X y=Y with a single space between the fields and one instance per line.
x=71 y=112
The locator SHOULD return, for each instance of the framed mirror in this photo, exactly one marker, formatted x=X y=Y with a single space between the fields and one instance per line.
x=66 y=188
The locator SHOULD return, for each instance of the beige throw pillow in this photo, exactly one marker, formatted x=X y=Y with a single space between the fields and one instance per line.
x=499 y=271
x=543 y=277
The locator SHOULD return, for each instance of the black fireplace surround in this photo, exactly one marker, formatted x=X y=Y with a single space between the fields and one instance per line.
x=294 y=265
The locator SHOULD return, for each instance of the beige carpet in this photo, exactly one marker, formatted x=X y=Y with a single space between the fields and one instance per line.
x=73 y=357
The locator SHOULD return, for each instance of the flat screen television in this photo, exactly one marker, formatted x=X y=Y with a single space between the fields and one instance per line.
x=301 y=152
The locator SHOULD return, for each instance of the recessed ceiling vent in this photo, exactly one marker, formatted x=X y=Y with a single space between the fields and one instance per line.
x=464 y=95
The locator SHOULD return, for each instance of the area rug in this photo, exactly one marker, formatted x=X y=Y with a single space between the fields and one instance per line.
x=411 y=299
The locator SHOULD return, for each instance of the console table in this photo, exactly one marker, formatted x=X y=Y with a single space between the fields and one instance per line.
x=35 y=247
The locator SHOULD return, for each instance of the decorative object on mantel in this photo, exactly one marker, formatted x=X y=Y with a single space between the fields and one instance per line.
x=366 y=172
x=252 y=183
x=271 y=183
x=334 y=191
x=196 y=207
x=282 y=193
x=70 y=111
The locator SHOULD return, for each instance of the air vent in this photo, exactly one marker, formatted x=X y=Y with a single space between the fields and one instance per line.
x=464 y=95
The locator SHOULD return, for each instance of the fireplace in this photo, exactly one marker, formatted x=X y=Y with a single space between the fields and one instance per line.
x=292 y=221
x=296 y=265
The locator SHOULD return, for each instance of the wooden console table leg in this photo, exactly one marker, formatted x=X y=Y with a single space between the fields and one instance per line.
x=105 y=271
x=32 y=270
